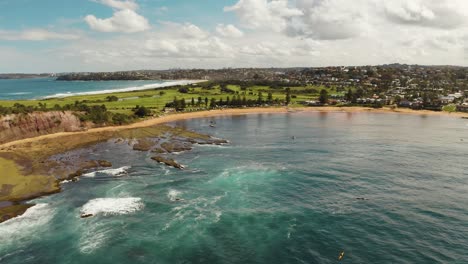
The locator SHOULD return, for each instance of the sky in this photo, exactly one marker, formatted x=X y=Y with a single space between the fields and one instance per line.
x=112 y=35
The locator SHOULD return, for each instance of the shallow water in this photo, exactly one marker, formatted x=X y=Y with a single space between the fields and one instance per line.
x=266 y=197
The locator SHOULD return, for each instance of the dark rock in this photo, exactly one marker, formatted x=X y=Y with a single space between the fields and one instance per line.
x=176 y=146
x=104 y=163
x=159 y=150
x=213 y=141
x=86 y=215
x=143 y=145
x=168 y=162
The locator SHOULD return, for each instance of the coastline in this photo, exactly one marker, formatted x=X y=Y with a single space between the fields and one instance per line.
x=229 y=112
x=166 y=83
x=23 y=159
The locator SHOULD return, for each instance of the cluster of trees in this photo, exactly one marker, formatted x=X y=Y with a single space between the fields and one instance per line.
x=353 y=96
x=235 y=101
x=17 y=109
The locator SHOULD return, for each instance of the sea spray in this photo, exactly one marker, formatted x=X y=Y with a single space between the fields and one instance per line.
x=111 y=172
x=112 y=206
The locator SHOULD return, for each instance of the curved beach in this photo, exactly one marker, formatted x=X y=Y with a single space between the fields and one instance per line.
x=243 y=111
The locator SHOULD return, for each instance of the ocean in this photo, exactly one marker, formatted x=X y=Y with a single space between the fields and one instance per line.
x=40 y=88
x=289 y=188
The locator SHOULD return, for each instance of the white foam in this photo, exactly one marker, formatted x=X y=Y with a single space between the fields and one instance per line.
x=23 y=226
x=93 y=237
x=19 y=93
x=112 y=206
x=173 y=195
x=112 y=172
x=65 y=181
x=128 y=89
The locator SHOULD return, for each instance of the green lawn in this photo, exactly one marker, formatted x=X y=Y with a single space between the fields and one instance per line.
x=156 y=99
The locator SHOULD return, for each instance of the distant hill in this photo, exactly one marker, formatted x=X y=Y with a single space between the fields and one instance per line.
x=4 y=76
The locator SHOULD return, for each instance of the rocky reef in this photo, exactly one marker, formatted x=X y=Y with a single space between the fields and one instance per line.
x=168 y=162
x=36 y=168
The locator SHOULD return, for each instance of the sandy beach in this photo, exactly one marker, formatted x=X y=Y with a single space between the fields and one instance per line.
x=243 y=111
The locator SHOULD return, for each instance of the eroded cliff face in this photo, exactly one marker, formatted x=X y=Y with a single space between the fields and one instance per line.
x=15 y=127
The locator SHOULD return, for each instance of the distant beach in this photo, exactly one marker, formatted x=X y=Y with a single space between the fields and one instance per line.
x=128 y=89
x=47 y=88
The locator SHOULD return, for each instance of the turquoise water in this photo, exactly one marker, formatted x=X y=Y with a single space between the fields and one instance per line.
x=44 y=87
x=266 y=197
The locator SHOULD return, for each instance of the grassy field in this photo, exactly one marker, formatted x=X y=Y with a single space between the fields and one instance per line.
x=156 y=99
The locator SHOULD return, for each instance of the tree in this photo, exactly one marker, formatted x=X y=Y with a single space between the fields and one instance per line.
x=323 y=96
x=193 y=102
x=112 y=98
x=183 y=90
x=206 y=101
x=213 y=103
x=260 y=98
x=200 y=100
x=349 y=95
x=270 y=97
x=141 y=111
x=182 y=104
x=288 y=96
x=397 y=99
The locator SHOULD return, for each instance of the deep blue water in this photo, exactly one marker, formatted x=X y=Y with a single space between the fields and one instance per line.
x=43 y=87
x=267 y=198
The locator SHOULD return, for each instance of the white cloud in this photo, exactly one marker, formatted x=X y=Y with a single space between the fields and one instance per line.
x=229 y=31
x=127 y=21
x=120 y=5
x=429 y=13
x=36 y=35
x=270 y=33
x=264 y=14
x=183 y=30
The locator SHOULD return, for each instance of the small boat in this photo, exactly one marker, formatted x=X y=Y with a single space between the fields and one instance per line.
x=212 y=126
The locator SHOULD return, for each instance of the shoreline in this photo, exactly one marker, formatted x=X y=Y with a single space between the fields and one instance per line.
x=164 y=84
x=236 y=111
x=25 y=157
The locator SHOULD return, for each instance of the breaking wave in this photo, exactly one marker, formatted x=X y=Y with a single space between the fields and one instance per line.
x=111 y=172
x=173 y=195
x=112 y=206
x=128 y=89
x=20 y=228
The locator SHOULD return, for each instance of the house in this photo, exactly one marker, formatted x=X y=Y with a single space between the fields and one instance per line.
x=462 y=108
x=311 y=103
x=446 y=99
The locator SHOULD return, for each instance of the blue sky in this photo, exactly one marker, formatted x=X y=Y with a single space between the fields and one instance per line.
x=23 y=14
x=109 y=35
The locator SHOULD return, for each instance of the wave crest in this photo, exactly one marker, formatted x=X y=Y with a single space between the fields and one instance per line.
x=112 y=206
x=112 y=172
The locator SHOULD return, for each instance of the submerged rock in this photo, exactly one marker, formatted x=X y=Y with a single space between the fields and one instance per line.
x=213 y=141
x=104 y=163
x=159 y=150
x=176 y=146
x=144 y=145
x=168 y=162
